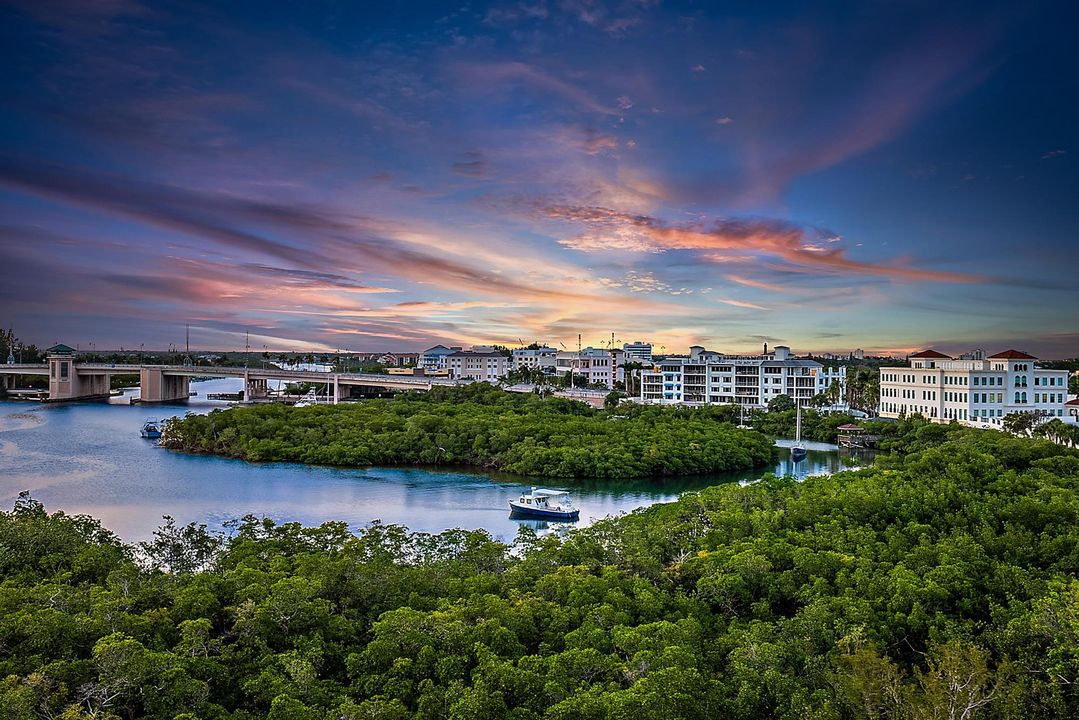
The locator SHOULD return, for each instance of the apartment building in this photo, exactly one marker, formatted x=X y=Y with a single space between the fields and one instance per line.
x=435 y=358
x=705 y=377
x=592 y=365
x=485 y=366
x=828 y=375
x=977 y=392
x=542 y=358
x=638 y=351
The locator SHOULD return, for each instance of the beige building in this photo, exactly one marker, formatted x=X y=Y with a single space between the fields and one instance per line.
x=485 y=366
x=980 y=393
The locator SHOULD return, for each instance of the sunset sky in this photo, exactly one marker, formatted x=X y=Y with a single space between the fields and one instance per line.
x=377 y=175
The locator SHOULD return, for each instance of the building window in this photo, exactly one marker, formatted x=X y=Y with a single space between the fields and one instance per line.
x=63 y=370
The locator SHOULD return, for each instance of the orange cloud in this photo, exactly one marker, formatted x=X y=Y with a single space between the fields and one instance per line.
x=803 y=249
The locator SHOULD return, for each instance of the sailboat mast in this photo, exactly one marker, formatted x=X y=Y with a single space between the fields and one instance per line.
x=798 y=425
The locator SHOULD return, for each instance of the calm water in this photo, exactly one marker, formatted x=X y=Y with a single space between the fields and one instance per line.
x=89 y=458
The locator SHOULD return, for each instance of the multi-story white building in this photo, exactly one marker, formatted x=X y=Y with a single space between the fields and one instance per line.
x=593 y=366
x=974 y=392
x=836 y=374
x=750 y=380
x=542 y=358
x=486 y=366
x=638 y=351
x=435 y=358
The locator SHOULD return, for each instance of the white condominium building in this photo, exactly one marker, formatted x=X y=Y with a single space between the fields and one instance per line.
x=974 y=392
x=486 y=366
x=828 y=375
x=749 y=380
x=542 y=358
x=592 y=365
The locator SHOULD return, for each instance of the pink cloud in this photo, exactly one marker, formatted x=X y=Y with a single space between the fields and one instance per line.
x=797 y=246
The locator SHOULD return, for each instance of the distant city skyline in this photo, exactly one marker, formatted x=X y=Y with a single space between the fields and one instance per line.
x=378 y=177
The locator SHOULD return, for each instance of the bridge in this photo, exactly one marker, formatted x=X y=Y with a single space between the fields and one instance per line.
x=69 y=380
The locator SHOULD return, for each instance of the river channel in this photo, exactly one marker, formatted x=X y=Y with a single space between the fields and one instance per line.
x=89 y=458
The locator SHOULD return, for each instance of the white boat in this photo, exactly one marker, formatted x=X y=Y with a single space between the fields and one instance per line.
x=311 y=398
x=545 y=503
x=151 y=429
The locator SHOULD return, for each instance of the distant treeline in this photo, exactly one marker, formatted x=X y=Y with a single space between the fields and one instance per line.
x=484 y=427
x=938 y=583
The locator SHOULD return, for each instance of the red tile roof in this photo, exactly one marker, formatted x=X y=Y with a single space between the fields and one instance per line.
x=1012 y=355
x=1073 y=402
x=931 y=354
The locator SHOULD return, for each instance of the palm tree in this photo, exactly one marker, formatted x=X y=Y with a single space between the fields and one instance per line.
x=633 y=377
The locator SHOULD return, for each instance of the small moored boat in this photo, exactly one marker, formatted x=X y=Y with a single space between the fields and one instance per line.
x=798 y=451
x=151 y=429
x=544 y=503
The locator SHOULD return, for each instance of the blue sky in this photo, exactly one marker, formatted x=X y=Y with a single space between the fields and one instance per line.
x=881 y=175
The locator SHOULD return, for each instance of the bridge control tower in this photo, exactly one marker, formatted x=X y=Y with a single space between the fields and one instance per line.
x=67 y=384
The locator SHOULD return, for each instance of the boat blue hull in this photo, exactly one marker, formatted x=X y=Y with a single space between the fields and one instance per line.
x=798 y=454
x=547 y=514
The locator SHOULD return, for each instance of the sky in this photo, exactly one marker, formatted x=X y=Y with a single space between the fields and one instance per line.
x=386 y=176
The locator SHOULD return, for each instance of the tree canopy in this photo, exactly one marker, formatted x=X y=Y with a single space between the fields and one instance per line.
x=939 y=582
x=481 y=426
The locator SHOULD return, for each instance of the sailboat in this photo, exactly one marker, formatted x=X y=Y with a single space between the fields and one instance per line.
x=798 y=450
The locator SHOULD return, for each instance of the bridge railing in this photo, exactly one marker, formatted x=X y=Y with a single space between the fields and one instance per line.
x=252 y=373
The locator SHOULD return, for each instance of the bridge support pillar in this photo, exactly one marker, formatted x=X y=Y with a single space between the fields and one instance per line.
x=157 y=387
x=336 y=390
x=256 y=389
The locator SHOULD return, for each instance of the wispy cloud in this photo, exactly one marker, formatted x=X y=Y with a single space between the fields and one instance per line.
x=801 y=247
x=742 y=304
x=472 y=163
x=479 y=77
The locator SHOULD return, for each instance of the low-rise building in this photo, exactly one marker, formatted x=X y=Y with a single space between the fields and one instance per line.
x=484 y=366
x=975 y=392
x=542 y=358
x=753 y=381
x=592 y=366
x=435 y=358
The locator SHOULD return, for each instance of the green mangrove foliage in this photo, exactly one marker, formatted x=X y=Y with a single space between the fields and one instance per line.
x=481 y=426
x=816 y=425
x=939 y=584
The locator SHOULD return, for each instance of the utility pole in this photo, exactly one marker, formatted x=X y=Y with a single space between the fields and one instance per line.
x=247 y=349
